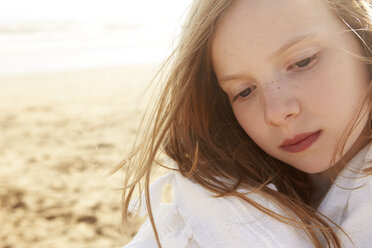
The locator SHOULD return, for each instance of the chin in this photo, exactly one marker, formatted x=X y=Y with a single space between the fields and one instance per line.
x=314 y=170
x=311 y=169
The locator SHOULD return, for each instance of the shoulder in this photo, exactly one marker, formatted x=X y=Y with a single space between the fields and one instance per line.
x=361 y=181
x=349 y=201
x=171 y=227
x=196 y=218
x=358 y=219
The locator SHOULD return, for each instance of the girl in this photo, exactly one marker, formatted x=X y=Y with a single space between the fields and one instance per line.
x=264 y=118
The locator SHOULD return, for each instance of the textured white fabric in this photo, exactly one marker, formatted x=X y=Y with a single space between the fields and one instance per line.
x=197 y=219
x=349 y=202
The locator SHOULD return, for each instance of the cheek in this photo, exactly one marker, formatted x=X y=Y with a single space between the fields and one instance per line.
x=252 y=122
x=335 y=86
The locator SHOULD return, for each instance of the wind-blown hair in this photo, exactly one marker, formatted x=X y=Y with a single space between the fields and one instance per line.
x=193 y=123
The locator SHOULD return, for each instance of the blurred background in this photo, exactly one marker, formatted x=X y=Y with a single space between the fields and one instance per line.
x=73 y=75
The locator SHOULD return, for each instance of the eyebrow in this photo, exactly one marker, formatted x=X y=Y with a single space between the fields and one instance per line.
x=293 y=42
x=281 y=50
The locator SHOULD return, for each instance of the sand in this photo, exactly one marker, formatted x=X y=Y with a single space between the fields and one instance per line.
x=61 y=133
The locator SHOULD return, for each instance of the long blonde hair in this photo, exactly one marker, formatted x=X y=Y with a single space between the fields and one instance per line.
x=192 y=123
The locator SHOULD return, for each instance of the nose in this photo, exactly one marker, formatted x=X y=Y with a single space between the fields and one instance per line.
x=280 y=106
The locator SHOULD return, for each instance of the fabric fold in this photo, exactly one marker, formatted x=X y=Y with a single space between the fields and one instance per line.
x=139 y=204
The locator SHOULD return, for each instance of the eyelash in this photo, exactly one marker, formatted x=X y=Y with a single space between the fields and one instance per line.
x=308 y=64
x=247 y=91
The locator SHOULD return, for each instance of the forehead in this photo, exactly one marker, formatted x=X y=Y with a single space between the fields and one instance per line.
x=252 y=30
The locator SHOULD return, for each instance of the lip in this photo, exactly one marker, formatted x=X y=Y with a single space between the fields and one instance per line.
x=300 y=142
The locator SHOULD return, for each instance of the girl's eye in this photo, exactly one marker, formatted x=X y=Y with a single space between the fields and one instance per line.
x=303 y=64
x=245 y=93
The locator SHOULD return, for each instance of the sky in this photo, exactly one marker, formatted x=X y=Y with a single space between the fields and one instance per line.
x=86 y=44
x=131 y=11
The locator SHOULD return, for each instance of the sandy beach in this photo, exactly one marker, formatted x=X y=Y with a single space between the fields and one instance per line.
x=61 y=133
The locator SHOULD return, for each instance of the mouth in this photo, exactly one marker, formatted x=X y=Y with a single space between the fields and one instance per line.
x=300 y=142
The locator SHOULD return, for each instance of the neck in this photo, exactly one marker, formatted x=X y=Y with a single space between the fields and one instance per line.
x=321 y=183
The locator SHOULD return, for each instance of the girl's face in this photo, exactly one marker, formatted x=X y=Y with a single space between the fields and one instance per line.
x=287 y=68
